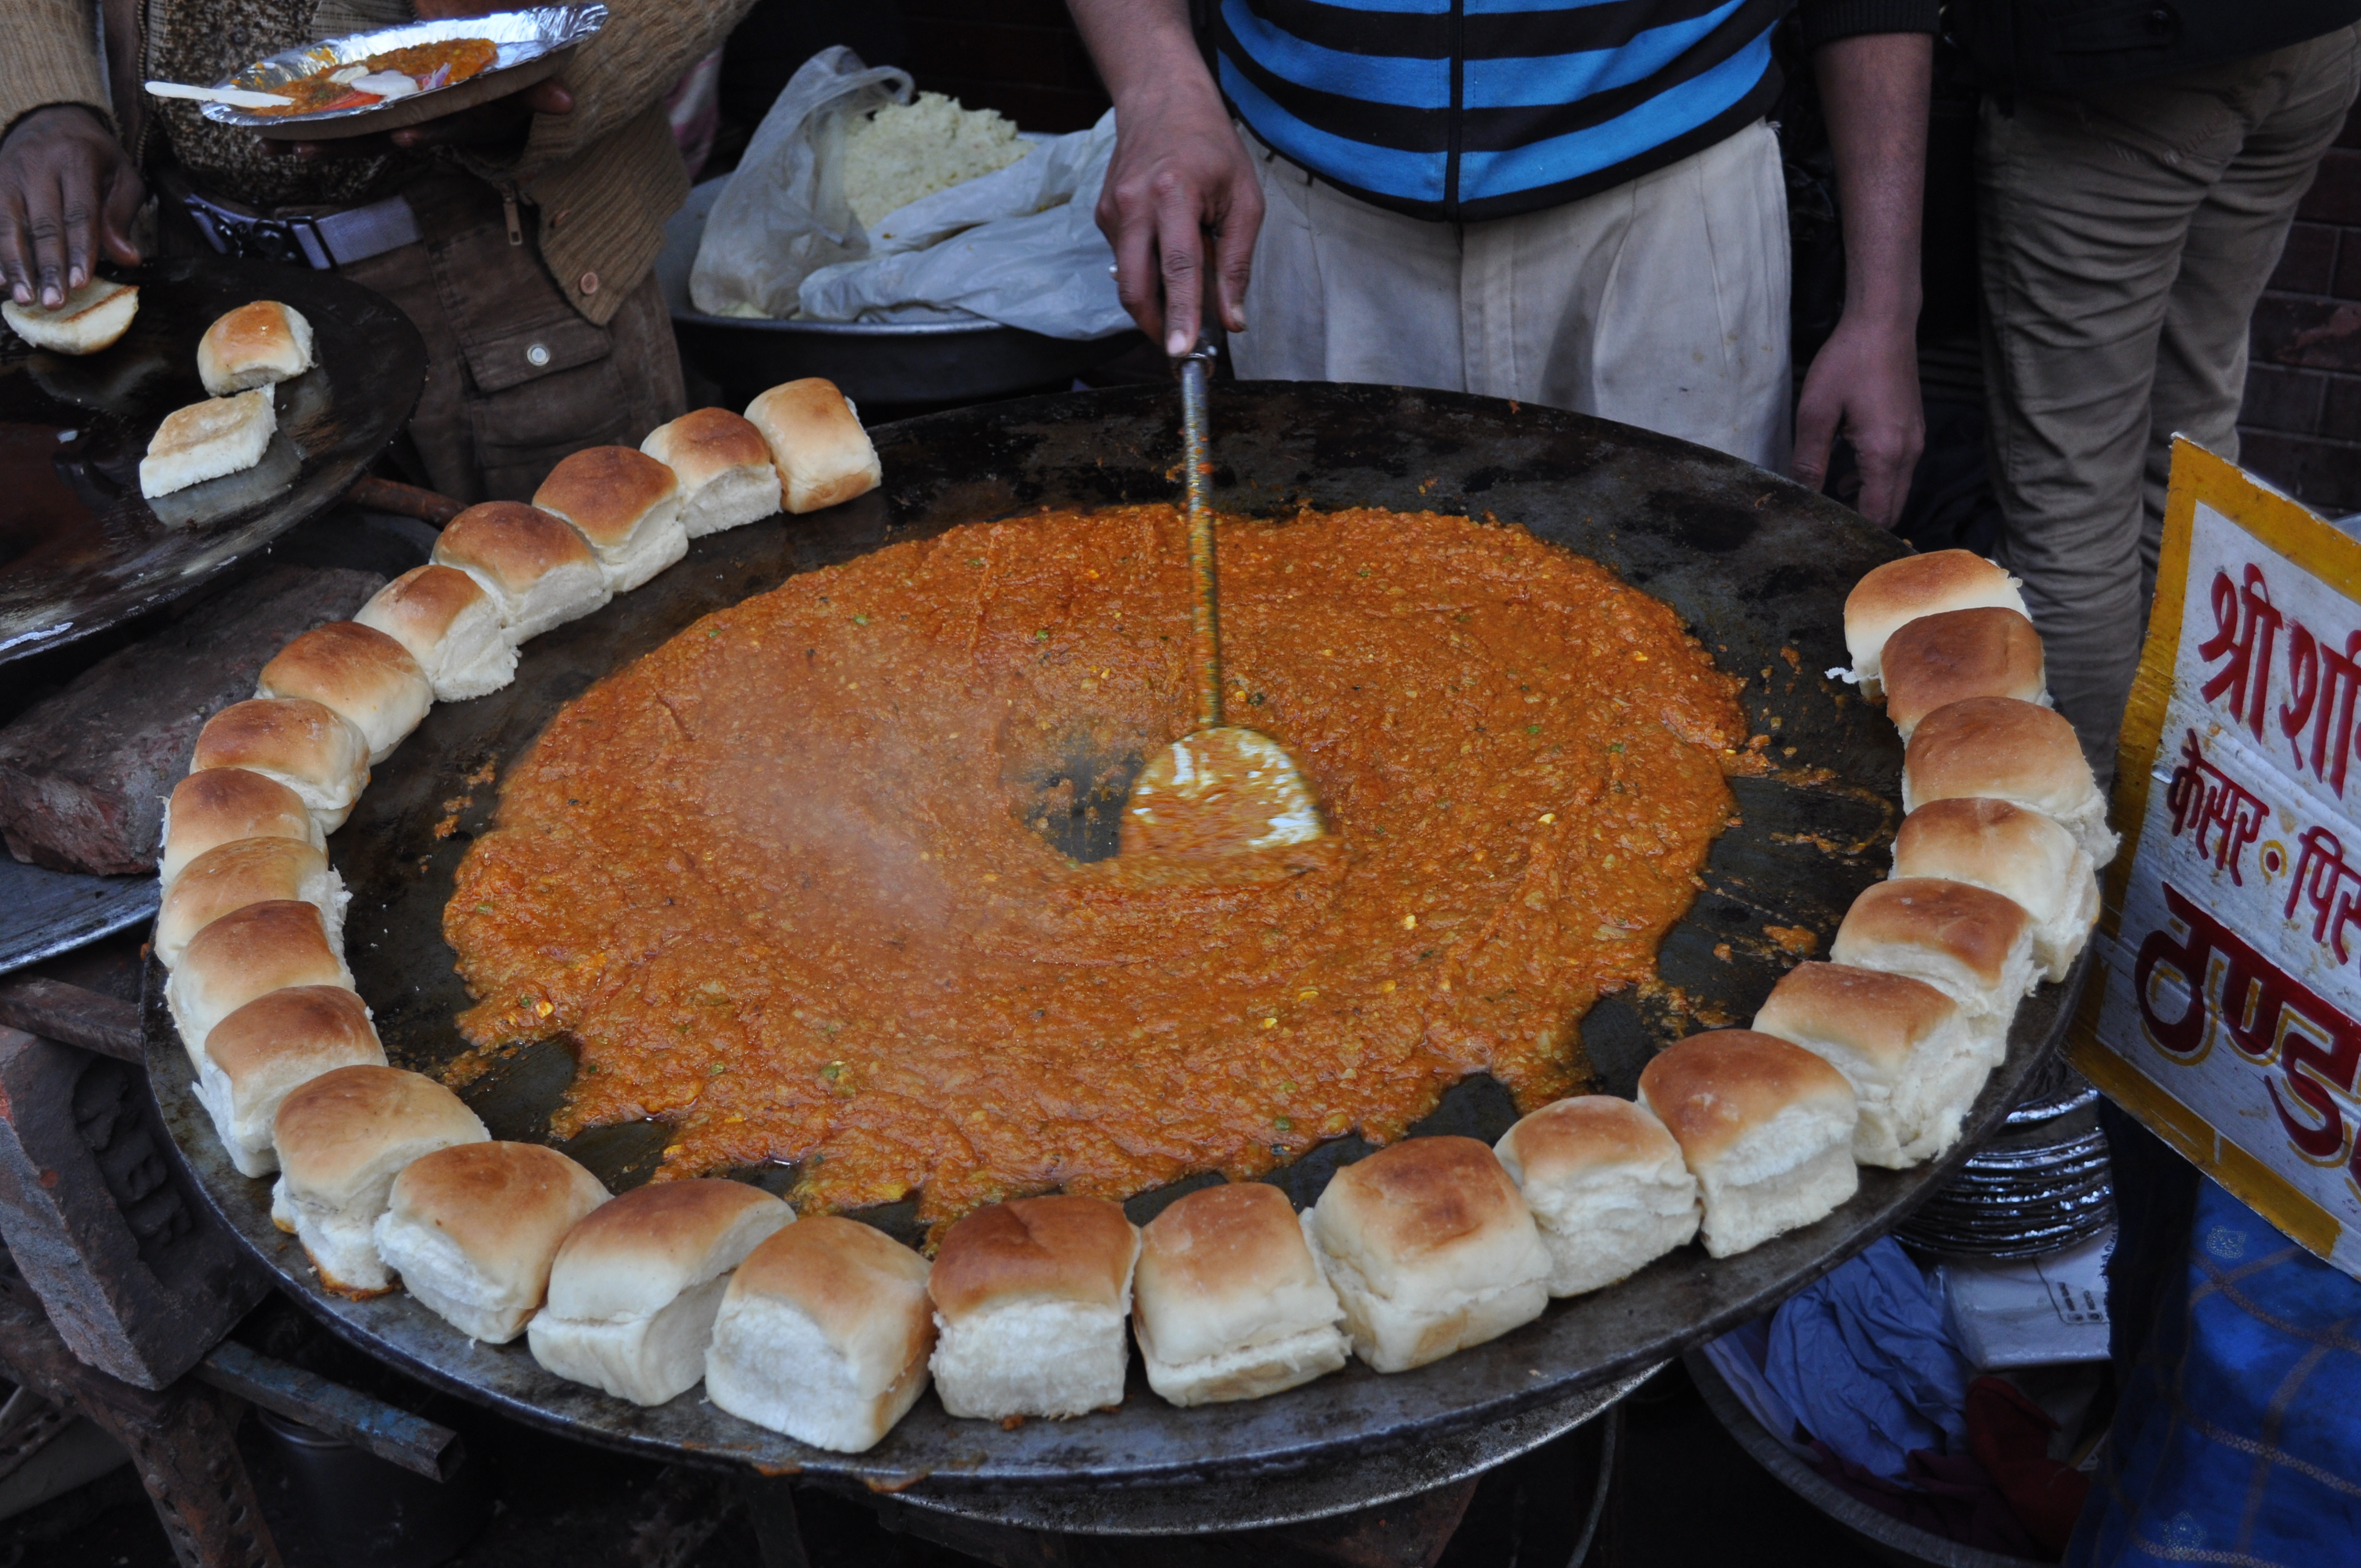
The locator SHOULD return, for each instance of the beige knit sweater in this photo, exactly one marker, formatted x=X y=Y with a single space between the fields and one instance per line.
x=604 y=178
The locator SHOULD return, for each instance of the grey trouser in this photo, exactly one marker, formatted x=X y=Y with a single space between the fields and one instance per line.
x=2127 y=234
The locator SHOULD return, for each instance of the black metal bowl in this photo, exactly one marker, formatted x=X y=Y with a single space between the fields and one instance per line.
x=1757 y=566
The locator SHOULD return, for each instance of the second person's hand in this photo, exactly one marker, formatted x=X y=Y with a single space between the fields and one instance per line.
x=1180 y=184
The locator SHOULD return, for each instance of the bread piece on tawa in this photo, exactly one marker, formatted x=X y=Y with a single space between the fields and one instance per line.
x=1900 y=591
x=272 y=1047
x=1766 y=1126
x=823 y=1335
x=446 y=622
x=244 y=955
x=723 y=465
x=254 y=345
x=1228 y=1302
x=230 y=876
x=207 y=440
x=471 y=1229
x=1431 y=1249
x=1030 y=1300
x=635 y=1288
x=364 y=676
x=2017 y=853
x=341 y=1139
x=92 y=317
x=816 y=443
x=2018 y=751
x=1606 y=1185
x=1940 y=659
x=1915 y=1062
x=626 y=504
x=538 y=570
x=1971 y=944
x=221 y=806
x=305 y=745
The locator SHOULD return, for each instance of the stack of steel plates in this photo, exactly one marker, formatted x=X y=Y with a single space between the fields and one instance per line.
x=2040 y=1183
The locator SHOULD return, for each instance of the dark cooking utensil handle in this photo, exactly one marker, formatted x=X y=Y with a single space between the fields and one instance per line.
x=1198 y=486
x=373 y=494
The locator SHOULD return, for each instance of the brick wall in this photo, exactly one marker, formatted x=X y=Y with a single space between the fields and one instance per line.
x=1020 y=57
x=2300 y=427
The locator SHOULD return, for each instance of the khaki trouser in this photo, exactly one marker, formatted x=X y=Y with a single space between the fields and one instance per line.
x=1662 y=302
x=2126 y=234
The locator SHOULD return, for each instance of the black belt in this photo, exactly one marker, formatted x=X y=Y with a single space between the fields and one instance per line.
x=319 y=240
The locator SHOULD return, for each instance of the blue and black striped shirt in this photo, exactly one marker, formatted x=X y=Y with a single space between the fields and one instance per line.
x=1473 y=109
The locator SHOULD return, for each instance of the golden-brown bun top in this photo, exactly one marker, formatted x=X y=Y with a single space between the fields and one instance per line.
x=1237 y=1240
x=1569 y=1137
x=1713 y=1088
x=255 y=334
x=1955 y=655
x=242 y=871
x=1975 y=925
x=1901 y=592
x=418 y=607
x=606 y=490
x=292 y=735
x=512 y=543
x=503 y=1204
x=333 y=1129
x=318 y=1022
x=2000 y=747
x=706 y=442
x=1063 y=1249
x=1995 y=843
x=1422 y=1196
x=643 y=1249
x=1883 y=1016
x=848 y=1278
x=343 y=661
x=221 y=806
x=263 y=947
x=811 y=410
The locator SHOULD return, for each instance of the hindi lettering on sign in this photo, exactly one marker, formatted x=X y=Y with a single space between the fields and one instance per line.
x=2246 y=625
x=2332 y=887
x=2204 y=797
x=2321 y=687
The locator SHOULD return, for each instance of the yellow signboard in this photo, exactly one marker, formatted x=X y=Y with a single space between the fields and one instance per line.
x=2223 y=1012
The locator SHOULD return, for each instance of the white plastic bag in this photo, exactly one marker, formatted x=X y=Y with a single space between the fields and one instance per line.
x=784 y=214
x=1019 y=246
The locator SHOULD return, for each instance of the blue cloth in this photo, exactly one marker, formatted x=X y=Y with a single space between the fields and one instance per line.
x=2238 y=1438
x=1867 y=1362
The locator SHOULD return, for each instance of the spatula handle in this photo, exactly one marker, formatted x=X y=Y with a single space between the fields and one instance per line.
x=1197 y=487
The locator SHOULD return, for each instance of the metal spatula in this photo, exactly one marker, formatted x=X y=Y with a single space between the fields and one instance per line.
x=1219 y=789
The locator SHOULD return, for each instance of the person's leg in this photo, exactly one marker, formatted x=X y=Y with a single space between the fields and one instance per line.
x=2084 y=206
x=2235 y=240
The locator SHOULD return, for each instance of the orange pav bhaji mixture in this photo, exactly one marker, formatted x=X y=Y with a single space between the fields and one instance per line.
x=783 y=883
x=444 y=63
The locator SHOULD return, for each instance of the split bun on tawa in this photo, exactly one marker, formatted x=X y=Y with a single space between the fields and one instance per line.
x=1607 y=1186
x=471 y=1229
x=221 y=806
x=724 y=468
x=230 y=876
x=272 y=1047
x=2015 y=853
x=302 y=744
x=207 y=440
x=1764 y=1125
x=539 y=571
x=1970 y=943
x=341 y=1139
x=1940 y=659
x=626 y=504
x=824 y=1334
x=367 y=678
x=254 y=345
x=633 y=1290
x=1430 y=1248
x=445 y=620
x=1030 y=1301
x=1899 y=592
x=243 y=955
x=1915 y=1061
x=1998 y=749
x=823 y=456
x=1228 y=1302
x=92 y=317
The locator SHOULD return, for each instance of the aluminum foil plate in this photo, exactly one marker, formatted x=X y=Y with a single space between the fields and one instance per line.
x=533 y=44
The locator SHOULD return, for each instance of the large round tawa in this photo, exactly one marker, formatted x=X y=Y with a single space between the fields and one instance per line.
x=80 y=549
x=1757 y=566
